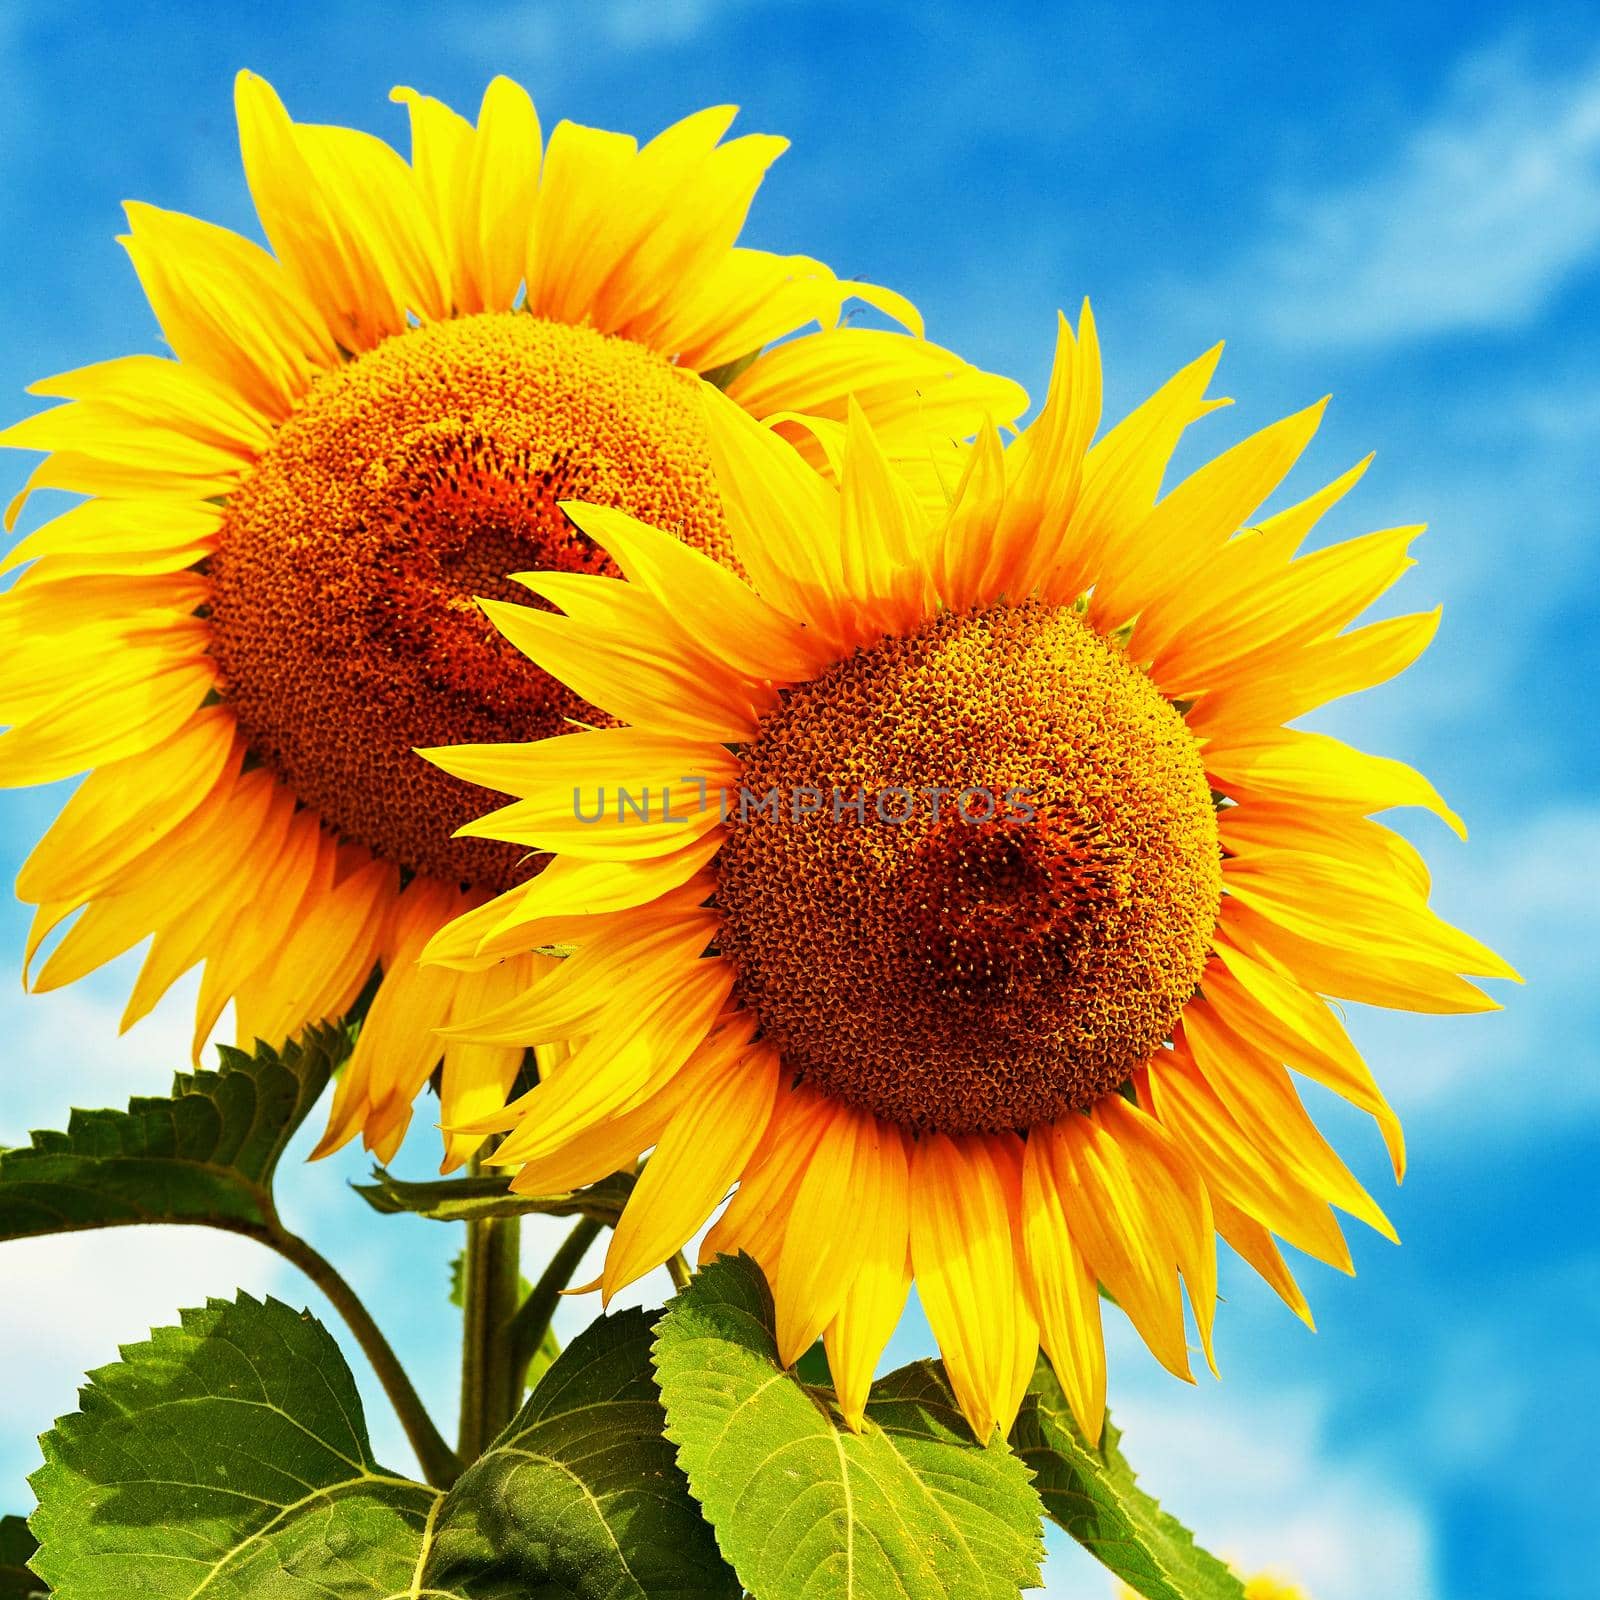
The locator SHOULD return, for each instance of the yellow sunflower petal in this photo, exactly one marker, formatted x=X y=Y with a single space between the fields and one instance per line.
x=961 y=547
x=1262 y=1004
x=757 y=1217
x=279 y=899
x=1066 y=1297
x=167 y=395
x=1253 y=1244
x=1104 y=1191
x=397 y=1046
x=1175 y=1201
x=1292 y=765
x=441 y=147
x=965 y=1204
x=476 y=1078
x=1328 y=902
x=858 y=1170
x=114 y=536
x=1122 y=475
x=635 y=667
x=697 y=1159
x=123 y=721
x=746 y=301
x=228 y=309
x=180 y=945
x=346 y=218
x=1232 y=1168
x=317 y=972
x=783 y=519
x=1316 y=673
x=1180 y=538
x=692 y=198
x=869 y=1313
x=1262 y=1100
x=571 y=996
x=725 y=615
x=909 y=390
x=100 y=832
x=624 y=1061
x=1046 y=467
x=1314 y=596
x=499 y=191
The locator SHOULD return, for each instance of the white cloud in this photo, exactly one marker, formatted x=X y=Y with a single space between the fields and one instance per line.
x=1561 y=412
x=1481 y=216
x=637 y=24
x=1254 y=1478
x=66 y=1050
x=554 y=32
x=1533 y=893
x=71 y=1300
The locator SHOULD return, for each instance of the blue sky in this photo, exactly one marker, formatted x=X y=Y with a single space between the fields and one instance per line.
x=1398 y=204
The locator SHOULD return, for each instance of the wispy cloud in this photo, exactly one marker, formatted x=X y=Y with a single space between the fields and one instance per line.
x=1478 y=219
x=70 y=1301
x=545 y=31
x=1258 y=1479
x=1533 y=895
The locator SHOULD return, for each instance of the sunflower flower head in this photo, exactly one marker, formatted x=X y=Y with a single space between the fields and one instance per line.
x=958 y=892
x=269 y=596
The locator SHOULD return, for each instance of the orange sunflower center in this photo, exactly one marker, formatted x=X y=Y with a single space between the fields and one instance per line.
x=411 y=480
x=989 y=880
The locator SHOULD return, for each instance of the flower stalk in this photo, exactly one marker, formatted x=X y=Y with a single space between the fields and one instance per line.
x=532 y=1320
x=440 y=1465
x=491 y=1377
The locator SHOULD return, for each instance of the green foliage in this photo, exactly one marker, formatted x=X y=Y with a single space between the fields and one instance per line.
x=1092 y=1494
x=543 y=1358
x=207 y=1154
x=580 y=1495
x=230 y=1456
x=477 y=1199
x=17 y=1545
x=911 y=1508
x=729 y=370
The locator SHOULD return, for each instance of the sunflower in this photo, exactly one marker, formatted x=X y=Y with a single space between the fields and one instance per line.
x=267 y=600
x=957 y=891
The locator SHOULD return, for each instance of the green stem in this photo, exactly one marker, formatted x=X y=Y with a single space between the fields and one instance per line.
x=678 y=1269
x=491 y=1380
x=532 y=1320
x=438 y=1462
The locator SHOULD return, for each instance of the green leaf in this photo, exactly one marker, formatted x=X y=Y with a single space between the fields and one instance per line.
x=229 y=1456
x=722 y=376
x=206 y=1154
x=17 y=1546
x=474 y=1199
x=1092 y=1494
x=911 y=1508
x=580 y=1495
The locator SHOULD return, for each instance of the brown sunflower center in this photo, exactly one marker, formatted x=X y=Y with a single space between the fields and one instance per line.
x=411 y=480
x=989 y=880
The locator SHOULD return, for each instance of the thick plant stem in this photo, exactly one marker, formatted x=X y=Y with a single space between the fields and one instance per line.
x=491 y=1380
x=532 y=1320
x=438 y=1461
